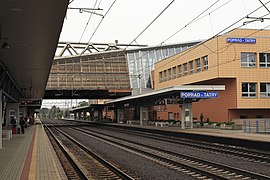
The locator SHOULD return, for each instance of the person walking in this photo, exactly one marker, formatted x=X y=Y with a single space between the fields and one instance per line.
x=201 y=119
x=22 y=124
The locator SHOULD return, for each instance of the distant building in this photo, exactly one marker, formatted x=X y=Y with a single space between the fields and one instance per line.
x=141 y=61
x=239 y=59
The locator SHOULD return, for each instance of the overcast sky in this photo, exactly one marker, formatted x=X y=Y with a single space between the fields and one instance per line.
x=127 y=18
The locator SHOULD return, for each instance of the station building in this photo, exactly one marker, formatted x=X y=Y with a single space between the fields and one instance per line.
x=239 y=59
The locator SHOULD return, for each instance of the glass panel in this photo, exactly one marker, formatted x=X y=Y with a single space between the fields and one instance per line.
x=263 y=87
x=171 y=51
x=179 y=70
x=248 y=59
x=205 y=63
x=191 y=67
x=185 y=69
x=244 y=87
x=174 y=72
x=158 y=54
x=252 y=87
x=165 y=53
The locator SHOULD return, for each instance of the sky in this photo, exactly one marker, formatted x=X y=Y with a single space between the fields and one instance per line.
x=128 y=18
x=188 y=20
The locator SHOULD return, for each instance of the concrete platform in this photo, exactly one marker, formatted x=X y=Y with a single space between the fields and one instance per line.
x=30 y=156
x=237 y=134
x=226 y=133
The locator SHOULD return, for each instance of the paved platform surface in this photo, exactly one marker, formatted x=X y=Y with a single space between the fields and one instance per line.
x=238 y=134
x=30 y=156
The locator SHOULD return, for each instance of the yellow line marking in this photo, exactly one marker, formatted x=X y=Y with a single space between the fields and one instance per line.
x=32 y=173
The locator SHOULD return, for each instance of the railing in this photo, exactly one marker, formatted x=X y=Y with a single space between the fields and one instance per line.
x=256 y=125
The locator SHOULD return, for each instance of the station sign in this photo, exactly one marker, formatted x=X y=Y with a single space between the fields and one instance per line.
x=242 y=40
x=30 y=102
x=198 y=95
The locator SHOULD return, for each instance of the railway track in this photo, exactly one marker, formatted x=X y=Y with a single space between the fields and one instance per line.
x=195 y=167
x=90 y=164
x=69 y=165
x=247 y=154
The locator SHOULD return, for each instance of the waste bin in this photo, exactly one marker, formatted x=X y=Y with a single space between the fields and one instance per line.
x=13 y=130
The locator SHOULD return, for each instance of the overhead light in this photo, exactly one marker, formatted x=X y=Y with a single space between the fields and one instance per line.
x=15 y=9
x=5 y=45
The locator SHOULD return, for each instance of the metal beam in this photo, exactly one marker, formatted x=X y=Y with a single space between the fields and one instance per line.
x=9 y=87
x=88 y=48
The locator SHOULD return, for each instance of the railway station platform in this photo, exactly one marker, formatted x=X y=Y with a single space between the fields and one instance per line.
x=225 y=133
x=30 y=156
x=215 y=132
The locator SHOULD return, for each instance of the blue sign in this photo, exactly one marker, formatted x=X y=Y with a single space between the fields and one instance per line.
x=200 y=95
x=242 y=40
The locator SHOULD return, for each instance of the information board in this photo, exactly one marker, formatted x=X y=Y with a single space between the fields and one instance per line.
x=242 y=40
x=198 y=95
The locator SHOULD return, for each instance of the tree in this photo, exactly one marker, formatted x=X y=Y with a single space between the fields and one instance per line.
x=66 y=113
x=82 y=103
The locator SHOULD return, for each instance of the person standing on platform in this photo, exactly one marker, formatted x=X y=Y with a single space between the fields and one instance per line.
x=22 y=124
x=201 y=119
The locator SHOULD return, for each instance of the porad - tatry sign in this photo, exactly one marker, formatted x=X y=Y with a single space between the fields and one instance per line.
x=242 y=40
x=199 y=95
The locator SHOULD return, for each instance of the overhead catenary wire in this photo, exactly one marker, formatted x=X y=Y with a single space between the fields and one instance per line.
x=101 y=21
x=90 y=16
x=227 y=46
x=225 y=29
x=189 y=23
x=150 y=24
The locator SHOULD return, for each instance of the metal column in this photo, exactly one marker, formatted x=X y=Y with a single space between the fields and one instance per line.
x=117 y=115
x=141 y=115
x=1 y=119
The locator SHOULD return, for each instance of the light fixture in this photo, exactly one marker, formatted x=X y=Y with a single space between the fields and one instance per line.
x=5 y=45
x=16 y=9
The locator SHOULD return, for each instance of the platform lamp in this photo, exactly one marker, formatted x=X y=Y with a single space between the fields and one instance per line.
x=5 y=44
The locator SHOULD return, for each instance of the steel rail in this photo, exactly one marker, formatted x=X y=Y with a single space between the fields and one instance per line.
x=77 y=170
x=221 y=148
x=106 y=163
x=209 y=163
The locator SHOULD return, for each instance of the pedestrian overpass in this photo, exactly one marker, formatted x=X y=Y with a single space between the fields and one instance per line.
x=88 y=71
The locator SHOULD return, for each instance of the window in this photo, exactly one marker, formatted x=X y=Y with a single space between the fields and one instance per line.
x=265 y=89
x=160 y=76
x=249 y=89
x=169 y=74
x=165 y=75
x=191 y=67
x=179 y=70
x=198 y=65
x=248 y=59
x=185 y=69
x=205 y=62
x=174 y=72
x=170 y=116
x=165 y=53
x=264 y=59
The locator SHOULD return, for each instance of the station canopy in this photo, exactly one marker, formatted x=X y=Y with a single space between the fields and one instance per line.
x=170 y=95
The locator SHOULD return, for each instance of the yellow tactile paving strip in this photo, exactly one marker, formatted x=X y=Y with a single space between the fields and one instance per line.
x=44 y=161
x=32 y=173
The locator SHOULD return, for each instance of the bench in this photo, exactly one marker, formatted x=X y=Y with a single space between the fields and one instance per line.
x=133 y=122
x=161 y=124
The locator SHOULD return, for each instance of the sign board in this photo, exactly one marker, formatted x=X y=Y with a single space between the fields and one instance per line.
x=198 y=95
x=30 y=102
x=242 y=40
